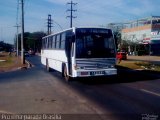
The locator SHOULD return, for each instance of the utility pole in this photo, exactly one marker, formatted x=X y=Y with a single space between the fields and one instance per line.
x=49 y=26
x=17 y=26
x=22 y=34
x=1 y=34
x=71 y=12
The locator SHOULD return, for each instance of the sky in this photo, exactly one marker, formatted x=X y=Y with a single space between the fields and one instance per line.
x=89 y=13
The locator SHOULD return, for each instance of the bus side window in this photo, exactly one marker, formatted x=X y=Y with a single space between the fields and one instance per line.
x=53 y=42
x=46 y=43
x=58 y=41
x=43 y=43
x=50 y=42
x=63 y=38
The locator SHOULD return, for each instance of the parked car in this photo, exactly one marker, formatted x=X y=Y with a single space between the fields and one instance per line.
x=121 y=55
x=26 y=54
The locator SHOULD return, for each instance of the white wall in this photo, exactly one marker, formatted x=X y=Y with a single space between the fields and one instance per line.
x=136 y=36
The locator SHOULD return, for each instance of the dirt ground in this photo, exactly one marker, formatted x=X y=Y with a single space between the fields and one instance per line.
x=10 y=62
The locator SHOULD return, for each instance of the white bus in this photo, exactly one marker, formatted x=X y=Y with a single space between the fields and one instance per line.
x=80 y=52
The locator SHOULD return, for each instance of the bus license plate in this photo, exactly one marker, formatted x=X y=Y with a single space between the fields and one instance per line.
x=97 y=73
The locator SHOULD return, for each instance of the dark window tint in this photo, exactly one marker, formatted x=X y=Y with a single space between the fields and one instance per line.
x=50 y=42
x=58 y=41
x=63 y=38
x=94 y=43
x=53 y=42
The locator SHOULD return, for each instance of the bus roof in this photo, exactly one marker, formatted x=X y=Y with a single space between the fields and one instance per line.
x=73 y=28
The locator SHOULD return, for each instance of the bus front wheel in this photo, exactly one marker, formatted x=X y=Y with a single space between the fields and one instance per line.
x=65 y=75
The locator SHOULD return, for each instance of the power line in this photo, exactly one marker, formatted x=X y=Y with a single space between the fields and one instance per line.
x=58 y=25
x=71 y=10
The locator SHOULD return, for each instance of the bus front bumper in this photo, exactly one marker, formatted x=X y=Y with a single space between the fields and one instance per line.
x=90 y=73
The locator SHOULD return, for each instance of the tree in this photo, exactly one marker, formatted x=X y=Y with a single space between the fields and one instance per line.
x=5 y=46
x=36 y=40
x=118 y=40
x=31 y=41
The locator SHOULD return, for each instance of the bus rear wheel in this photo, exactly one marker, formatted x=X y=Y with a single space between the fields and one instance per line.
x=65 y=75
x=47 y=66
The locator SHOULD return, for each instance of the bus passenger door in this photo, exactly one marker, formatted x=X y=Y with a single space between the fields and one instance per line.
x=69 y=49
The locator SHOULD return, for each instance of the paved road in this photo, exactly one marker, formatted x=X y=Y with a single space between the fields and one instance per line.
x=129 y=96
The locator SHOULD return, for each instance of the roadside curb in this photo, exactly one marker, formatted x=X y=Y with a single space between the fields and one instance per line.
x=29 y=65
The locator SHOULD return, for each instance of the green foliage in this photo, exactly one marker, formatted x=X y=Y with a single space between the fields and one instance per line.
x=5 y=47
x=31 y=41
x=117 y=36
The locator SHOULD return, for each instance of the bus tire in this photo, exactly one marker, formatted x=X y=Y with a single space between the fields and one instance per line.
x=65 y=74
x=47 y=66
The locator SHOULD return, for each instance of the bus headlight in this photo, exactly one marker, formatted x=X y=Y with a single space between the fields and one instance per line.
x=112 y=66
x=76 y=67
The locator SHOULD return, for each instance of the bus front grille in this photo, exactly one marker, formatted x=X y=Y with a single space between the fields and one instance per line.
x=92 y=63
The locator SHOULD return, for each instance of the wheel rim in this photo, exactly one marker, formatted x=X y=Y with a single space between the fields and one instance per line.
x=65 y=74
x=47 y=66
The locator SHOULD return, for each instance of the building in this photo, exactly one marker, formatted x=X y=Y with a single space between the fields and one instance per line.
x=142 y=36
x=144 y=33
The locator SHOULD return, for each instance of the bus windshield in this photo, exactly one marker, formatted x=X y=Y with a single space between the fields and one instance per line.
x=94 y=43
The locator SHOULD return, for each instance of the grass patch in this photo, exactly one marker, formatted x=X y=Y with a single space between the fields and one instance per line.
x=11 y=62
x=149 y=66
x=129 y=64
x=140 y=65
x=145 y=65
